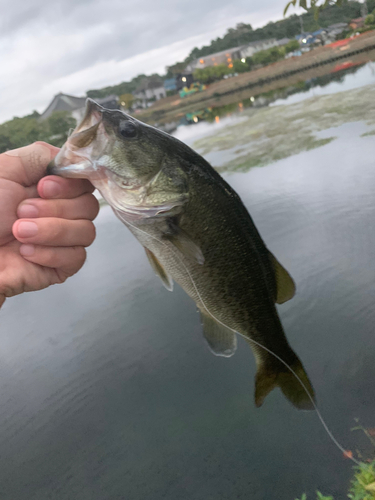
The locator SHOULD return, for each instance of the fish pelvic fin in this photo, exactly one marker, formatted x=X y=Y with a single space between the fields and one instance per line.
x=220 y=340
x=159 y=270
x=274 y=375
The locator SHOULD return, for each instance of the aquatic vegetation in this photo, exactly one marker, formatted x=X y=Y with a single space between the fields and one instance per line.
x=276 y=132
x=370 y=132
x=362 y=485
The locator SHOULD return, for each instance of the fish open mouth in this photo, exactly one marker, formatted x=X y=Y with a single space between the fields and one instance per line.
x=80 y=154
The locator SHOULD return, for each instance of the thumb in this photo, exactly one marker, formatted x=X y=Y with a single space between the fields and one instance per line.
x=28 y=164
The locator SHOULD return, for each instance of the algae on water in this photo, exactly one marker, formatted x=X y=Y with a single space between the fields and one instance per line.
x=269 y=134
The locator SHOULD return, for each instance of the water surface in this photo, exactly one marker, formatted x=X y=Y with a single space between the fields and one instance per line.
x=109 y=392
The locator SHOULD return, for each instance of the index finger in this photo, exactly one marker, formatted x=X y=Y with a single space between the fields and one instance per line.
x=28 y=164
x=54 y=187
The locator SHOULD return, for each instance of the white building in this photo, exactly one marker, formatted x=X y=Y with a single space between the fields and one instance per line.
x=150 y=89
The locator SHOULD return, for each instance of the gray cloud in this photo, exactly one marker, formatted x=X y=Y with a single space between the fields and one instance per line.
x=43 y=42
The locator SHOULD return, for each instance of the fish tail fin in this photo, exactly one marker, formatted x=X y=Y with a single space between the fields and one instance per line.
x=295 y=384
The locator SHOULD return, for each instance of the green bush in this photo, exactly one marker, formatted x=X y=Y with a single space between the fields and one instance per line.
x=291 y=46
x=269 y=56
x=212 y=73
x=19 y=132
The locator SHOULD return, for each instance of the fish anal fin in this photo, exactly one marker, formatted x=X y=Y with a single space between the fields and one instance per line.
x=184 y=243
x=221 y=340
x=159 y=270
x=275 y=375
x=285 y=286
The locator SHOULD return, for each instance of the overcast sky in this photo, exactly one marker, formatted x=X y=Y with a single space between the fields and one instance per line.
x=71 y=46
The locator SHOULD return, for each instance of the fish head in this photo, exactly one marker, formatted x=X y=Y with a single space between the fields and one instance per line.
x=125 y=159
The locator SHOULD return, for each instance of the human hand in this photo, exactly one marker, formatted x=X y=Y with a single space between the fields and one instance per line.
x=45 y=222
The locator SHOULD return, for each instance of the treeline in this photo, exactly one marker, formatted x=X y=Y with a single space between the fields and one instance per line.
x=18 y=132
x=285 y=28
x=244 y=33
x=120 y=89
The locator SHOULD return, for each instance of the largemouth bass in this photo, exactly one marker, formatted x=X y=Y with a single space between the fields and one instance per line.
x=196 y=232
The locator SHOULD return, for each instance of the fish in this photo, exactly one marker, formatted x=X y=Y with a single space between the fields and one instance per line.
x=196 y=232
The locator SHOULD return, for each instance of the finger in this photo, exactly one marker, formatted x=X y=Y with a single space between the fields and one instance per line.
x=83 y=207
x=66 y=260
x=28 y=164
x=53 y=186
x=54 y=232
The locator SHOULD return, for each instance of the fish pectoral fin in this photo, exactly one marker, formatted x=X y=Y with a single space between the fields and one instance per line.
x=159 y=270
x=296 y=386
x=220 y=340
x=182 y=241
x=285 y=285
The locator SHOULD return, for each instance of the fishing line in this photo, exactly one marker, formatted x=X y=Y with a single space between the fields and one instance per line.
x=322 y=421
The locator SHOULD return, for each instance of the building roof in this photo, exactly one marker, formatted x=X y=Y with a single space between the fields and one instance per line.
x=63 y=102
x=337 y=25
x=259 y=42
x=283 y=41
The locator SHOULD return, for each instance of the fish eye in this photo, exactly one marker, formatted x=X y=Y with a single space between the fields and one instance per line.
x=128 y=129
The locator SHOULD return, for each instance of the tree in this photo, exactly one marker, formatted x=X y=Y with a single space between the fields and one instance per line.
x=211 y=73
x=291 y=46
x=126 y=100
x=19 y=132
x=269 y=56
x=239 y=66
x=121 y=88
x=314 y=5
x=175 y=69
x=58 y=126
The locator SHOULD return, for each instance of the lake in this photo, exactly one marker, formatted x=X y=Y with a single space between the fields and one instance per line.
x=107 y=388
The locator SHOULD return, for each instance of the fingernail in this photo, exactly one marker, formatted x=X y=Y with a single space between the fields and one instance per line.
x=27 y=211
x=27 y=229
x=51 y=189
x=27 y=250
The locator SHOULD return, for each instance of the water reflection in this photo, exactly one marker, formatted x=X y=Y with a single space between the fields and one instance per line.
x=108 y=391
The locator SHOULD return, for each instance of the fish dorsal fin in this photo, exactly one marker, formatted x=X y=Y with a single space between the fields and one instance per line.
x=183 y=242
x=159 y=270
x=285 y=287
x=220 y=340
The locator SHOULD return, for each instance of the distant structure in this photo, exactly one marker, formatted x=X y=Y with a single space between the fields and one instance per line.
x=357 y=23
x=64 y=102
x=76 y=105
x=252 y=48
x=337 y=29
x=150 y=89
x=228 y=56
x=184 y=79
x=170 y=84
x=322 y=36
x=223 y=57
